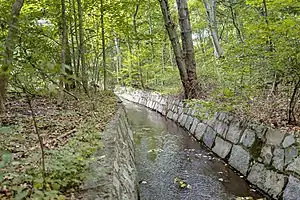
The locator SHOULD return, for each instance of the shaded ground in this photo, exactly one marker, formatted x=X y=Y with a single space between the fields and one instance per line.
x=172 y=166
x=70 y=135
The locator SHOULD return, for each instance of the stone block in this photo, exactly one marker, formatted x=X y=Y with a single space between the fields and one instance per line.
x=239 y=159
x=248 y=138
x=294 y=166
x=175 y=116
x=194 y=125
x=274 y=183
x=234 y=133
x=257 y=175
x=278 y=159
x=289 y=154
x=209 y=137
x=292 y=190
x=200 y=130
x=222 y=147
x=222 y=116
x=170 y=115
x=189 y=122
x=274 y=137
x=180 y=117
x=288 y=141
x=221 y=128
x=259 y=129
x=266 y=154
x=183 y=120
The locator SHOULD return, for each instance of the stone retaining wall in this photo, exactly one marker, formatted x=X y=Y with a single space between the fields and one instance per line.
x=267 y=157
x=113 y=173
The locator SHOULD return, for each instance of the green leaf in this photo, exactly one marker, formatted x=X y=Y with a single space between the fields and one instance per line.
x=21 y=195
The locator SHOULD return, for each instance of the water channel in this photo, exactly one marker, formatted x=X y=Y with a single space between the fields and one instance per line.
x=173 y=166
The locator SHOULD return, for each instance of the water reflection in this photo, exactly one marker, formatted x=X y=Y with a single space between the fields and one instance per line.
x=165 y=152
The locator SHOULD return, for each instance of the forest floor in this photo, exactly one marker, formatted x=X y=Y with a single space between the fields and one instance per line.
x=71 y=134
x=271 y=110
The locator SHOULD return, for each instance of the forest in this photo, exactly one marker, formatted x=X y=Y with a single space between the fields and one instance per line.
x=61 y=60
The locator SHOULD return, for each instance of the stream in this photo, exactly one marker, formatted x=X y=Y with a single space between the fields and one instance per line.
x=173 y=166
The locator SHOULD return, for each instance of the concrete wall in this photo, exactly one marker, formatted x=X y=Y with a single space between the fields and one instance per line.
x=268 y=158
x=113 y=173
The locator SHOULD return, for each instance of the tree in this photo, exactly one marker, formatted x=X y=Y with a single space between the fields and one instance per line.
x=211 y=6
x=185 y=57
x=9 y=50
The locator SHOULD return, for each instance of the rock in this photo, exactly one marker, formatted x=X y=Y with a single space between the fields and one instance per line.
x=200 y=130
x=248 y=138
x=289 y=154
x=222 y=117
x=183 y=120
x=222 y=147
x=175 y=117
x=170 y=114
x=259 y=129
x=278 y=159
x=209 y=137
x=234 y=133
x=211 y=122
x=257 y=175
x=189 y=122
x=266 y=154
x=194 y=125
x=221 y=128
x=292 y=190
x=294 y=166
x=274 y=183
x=240 y=159
x=180 y=117
x=288 y=141
x=274 y=137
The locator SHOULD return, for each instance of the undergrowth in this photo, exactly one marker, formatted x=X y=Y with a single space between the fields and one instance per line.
x=70 y=142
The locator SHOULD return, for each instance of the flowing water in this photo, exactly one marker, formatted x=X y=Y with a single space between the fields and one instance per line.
x=166 y=155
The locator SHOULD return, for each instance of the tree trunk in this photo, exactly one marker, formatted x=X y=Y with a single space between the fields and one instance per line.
x=103 y=47
x=213 y=27
x=82 y=48
x=188 y=47
x=9 y=50
x=77 y=54
x=63 y=51
x=119 y=56
x=137 y=42
x=170 y=26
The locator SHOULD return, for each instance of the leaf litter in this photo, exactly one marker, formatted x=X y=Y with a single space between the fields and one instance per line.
x=58 y=125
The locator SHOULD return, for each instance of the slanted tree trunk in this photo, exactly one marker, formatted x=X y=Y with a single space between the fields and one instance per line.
x=171 y=29
x=82 y=48
x=9 y=50
x=185 y=57
x=211 y=6
x=188 y=47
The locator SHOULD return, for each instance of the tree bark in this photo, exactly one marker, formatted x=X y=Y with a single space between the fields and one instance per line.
x=8 y=53
x=188 y=47
x=63 y=51
x=171 y=29
x=82 y=48
x=103 y=47
x=211 y=6
x=137 y=42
